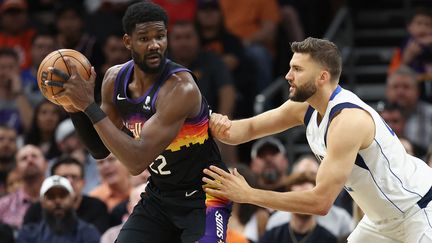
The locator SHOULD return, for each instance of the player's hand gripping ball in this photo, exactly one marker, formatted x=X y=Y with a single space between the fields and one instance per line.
x=56 y=59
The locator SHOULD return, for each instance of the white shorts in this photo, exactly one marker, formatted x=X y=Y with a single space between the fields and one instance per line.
x=414 y=227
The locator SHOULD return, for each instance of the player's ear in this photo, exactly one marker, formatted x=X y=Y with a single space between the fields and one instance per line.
x=127 y=41
x=324 y=77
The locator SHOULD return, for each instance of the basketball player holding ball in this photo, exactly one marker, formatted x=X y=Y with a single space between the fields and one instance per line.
x=152 y=116
x=358 y=151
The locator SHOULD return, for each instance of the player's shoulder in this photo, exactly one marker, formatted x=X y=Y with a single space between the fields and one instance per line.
x=112 y=72
x=182 y=82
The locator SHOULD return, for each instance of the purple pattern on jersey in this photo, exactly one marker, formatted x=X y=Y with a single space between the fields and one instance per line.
x=216 y=225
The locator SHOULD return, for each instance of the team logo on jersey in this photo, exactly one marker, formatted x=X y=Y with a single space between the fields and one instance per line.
x=219 y=225
x=146 y=105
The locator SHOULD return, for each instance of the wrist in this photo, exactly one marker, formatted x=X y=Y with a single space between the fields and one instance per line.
x=94 y=113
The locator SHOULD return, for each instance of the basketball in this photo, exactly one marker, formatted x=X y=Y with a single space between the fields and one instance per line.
x=56 y=59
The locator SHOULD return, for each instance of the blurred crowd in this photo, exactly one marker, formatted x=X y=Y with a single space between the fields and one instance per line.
x=235 y=48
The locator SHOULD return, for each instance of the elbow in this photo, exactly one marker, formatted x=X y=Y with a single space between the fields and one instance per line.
x=136 y=169
x=323 y=208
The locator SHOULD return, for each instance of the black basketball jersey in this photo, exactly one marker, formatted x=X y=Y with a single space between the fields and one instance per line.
x=181 y=164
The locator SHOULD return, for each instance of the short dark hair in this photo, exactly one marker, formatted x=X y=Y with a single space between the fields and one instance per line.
x=67 y=160
x=9 y=52
x=143 y=12
x=323 y=52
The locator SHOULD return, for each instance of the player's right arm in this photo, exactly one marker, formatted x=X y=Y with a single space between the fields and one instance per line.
x=289 y=114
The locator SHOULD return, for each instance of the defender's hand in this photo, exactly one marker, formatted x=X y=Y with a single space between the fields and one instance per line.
x=220 y=126
x=232 y=186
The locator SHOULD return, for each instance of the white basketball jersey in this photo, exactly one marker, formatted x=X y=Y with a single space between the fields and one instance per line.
x=385 y=181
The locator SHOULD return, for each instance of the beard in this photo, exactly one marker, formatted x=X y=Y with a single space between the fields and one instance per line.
x=60 y=226
x=141 y=62
x=303 y=92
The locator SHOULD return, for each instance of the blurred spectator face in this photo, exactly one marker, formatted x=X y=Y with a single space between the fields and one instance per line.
x=70 y=144
x=209 y=17
x=395 y=120
x=270 y=164
x=72 y=172
x=31 y=163
x=115 y=51
x=402 y=89
x=13 y=181
x=111 y=170
x=306 y=165
x=57 y=205
x=69 y=23
x=41 y=47
x=8 y=144
x=407 y=145
x=184 y=42
x=48 y=117
x=8 y=67
x=420 y=26
x=14 y=20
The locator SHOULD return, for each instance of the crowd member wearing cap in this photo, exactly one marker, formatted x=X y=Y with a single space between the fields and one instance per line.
x=70 y=145
x=60 y=223
x=269 y=162
x=89 y=209
x=15 y=32
x=31 y=164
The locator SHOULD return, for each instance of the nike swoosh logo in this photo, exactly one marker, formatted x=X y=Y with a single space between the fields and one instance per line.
x=120 y=98
x=190 y=193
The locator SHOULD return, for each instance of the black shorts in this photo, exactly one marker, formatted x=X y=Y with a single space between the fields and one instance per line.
x=181 y=216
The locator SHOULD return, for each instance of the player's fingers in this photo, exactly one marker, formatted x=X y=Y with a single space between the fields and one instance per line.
x=59 y=95
x=215 y=192
x=93 y=74
x=59 y=73
x=219 y=171
x=54 y=83
x=72 y=67
x=211 y=183
x=213 y=175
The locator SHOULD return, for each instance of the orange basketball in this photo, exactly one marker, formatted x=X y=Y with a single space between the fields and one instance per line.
x=56 y=59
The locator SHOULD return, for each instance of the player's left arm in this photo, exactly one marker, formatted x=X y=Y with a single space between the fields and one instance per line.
x=350 y=131
x=180 y=98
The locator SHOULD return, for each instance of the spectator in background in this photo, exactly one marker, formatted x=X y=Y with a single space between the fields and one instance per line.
x=255 y=23
x=116 y=185
x=135 y=197
x=43 y=43
x=187 y=13
x=15 y=109
x=212 y=76
x=402 y=89
x=32 y=166
x=337 y=221
x=416 y=48
x=60 y=223
x=15 y=32
x=301 y=227
x=70 y=145
x=45 y=120
x=13 y=181
x=115 y=52
x=8 y=149
x=6 y=234
x=269 y=163
x=217 y=39
x=70 y=28
x=393 y=115
x=89 y=209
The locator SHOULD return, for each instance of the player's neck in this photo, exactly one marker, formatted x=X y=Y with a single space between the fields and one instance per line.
x=319 y=101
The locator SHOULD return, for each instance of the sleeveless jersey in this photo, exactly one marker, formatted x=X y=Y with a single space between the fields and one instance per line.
x=385 y=181
x=180 y=166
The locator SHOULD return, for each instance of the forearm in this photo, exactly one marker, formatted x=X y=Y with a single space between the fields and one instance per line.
x=88 y=135
x=305 y=202
x=134 y=154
